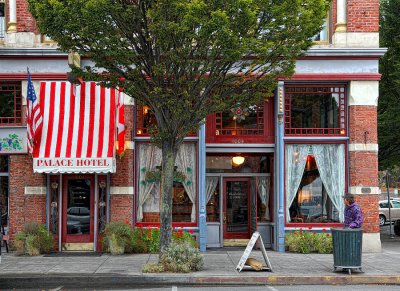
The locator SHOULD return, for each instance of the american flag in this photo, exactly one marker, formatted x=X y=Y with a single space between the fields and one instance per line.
x=34 y=119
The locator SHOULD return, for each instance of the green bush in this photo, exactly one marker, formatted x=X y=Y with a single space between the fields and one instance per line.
x=35 y=239
x=117 y=238
x=307 y=242
x=180 y=257
x=147 y=240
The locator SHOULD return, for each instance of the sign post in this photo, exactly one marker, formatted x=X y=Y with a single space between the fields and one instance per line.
x=256 y=236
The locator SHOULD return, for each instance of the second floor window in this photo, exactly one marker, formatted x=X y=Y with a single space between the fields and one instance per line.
x=10 y=103
x=241 y=121
x=2 y=20
x=315 y=110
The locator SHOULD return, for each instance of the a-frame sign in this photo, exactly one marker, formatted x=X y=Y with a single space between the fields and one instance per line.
x=256 y=236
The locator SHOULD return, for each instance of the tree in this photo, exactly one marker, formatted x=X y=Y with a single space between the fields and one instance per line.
x=389 y=100
x=184 y=59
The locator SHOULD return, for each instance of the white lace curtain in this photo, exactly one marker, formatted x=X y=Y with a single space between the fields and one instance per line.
x=296 y=156
x=186 y=163
x=331 y=166
x=211 y=185
x=263 y=193
x=149 y=158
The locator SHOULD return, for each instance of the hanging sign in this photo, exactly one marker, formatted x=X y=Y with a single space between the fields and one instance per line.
x=242 y=263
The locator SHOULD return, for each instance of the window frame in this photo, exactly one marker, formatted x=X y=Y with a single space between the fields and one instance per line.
x=339 y=131
x=16 y=88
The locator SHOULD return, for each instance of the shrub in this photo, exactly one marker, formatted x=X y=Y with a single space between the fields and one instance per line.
x=306 y=242
x=35 y=239
x=178 y=258
x=147 y=240
x=117 y=238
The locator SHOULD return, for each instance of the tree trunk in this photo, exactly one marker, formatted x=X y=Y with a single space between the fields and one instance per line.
x=167 y=179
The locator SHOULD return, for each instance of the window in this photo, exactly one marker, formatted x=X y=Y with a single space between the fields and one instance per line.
x=241 y=121
x=2 y=20
x=145 y=120
x=10 y=103
x=315 y=110
x=315 y=183
x=184 y=206
x=4 y=197
x=323 y=35
x=213 y=199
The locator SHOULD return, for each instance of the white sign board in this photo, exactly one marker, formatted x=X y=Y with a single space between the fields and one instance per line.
x=256 y=236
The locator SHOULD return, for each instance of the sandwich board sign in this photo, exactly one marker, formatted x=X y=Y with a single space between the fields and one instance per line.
x=256 y=236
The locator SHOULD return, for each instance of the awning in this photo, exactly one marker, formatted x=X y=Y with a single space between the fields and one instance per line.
x=78 y=134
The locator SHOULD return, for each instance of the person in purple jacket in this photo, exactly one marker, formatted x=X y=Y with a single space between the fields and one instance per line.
x=352 y=212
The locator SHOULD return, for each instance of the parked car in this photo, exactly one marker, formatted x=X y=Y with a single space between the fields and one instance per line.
x=78 y=220
x=384 y=211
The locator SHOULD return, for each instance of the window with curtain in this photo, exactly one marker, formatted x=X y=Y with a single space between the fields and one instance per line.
x=184 y=208
x=212 y=199
x=315 y=183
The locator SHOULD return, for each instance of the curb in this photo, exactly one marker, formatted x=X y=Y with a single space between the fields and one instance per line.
x=15 y=281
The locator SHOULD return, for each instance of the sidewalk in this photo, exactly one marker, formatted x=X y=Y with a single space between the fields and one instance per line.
x=220 y=268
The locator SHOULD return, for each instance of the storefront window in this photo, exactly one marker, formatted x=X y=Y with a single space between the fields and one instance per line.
x=263 y=199
x=184 y=207
x=315 y=110
x=11 y=103
x=315 y=183
x=212 y=199
x=226 y=164
x=145 y=120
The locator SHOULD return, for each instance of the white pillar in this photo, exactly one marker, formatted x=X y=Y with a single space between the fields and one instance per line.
x=341 y=16
x=12 y=25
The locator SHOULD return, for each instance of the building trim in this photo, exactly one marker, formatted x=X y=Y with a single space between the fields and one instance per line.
x=336 y=77
x=362 y=147
x=35 y=190
x=362 y=190
x=117 y=190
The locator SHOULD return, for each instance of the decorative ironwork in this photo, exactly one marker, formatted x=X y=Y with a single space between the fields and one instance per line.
x=102 y=206
x=54 y=208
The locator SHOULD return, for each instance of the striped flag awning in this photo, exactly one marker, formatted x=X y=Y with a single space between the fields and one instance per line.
x=78 y=134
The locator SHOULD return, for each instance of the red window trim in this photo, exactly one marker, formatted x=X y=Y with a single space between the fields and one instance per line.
x=342 y=112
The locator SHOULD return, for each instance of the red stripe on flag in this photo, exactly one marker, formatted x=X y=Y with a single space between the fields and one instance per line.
x=71 y=125
x=112 y=125
x=91 y=118
x=101 y=123
x=61 y=121
x=50 y=102
x=81 y=121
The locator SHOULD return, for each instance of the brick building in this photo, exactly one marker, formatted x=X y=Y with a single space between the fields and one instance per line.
x=284 y=166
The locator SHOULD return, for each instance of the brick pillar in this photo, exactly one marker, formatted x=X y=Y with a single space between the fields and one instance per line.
x=122 y=182
x=27 y=194
x=363 y=157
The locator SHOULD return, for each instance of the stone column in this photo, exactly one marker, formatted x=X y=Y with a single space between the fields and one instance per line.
x=12 y=25
x=341 y=16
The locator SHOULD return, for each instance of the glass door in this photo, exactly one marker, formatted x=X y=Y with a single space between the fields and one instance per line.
x=236 y=216
x=78 y=210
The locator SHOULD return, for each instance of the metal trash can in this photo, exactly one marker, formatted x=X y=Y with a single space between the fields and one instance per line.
x=347 y=248
x=397 y=227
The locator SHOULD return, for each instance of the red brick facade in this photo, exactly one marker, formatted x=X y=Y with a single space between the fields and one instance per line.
x=362 y=15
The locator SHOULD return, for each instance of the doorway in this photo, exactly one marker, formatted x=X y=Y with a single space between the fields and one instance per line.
x=236 y=208
x=78 y=213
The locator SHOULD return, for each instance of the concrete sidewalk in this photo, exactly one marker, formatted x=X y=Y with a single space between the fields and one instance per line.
x=220 y=268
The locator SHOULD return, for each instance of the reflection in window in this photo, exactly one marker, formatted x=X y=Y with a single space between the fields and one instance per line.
x=323 y=34
x=315 y=110
x=312 y=204
x=241 y=121
x=225 y=164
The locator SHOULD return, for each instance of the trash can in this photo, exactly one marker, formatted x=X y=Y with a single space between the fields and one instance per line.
x=347 y=248
x=397 y=227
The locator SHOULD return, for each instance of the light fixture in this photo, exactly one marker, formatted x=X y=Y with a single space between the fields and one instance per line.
x=238 y=160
